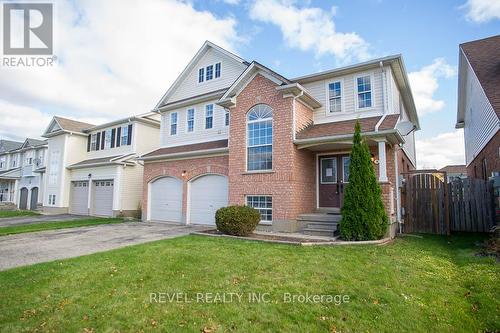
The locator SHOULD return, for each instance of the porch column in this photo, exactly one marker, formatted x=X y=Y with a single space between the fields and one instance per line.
x=382 y=164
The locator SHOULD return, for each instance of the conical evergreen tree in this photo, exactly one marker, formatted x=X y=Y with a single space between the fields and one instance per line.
x=363 y=214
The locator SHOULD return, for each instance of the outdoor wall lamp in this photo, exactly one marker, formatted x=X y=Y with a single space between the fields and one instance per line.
x=90 y=175
x=183 y=174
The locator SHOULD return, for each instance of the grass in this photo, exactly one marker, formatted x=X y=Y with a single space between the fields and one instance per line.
x=16 y=213
x=429 y=284
x=18 y=229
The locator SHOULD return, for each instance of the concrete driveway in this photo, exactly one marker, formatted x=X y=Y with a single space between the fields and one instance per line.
x=36 y=247
x=8 y=221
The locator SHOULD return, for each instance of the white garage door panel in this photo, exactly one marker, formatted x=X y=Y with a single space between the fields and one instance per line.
x=79 y=198
x=166 y=200
x=103 y=197
x=207 y=194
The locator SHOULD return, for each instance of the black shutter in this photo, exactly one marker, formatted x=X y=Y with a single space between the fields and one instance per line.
x=88 y=142
x=129 y=139
x=103 y=135
x=113 y=137
x=118 y=136
x=98 y=141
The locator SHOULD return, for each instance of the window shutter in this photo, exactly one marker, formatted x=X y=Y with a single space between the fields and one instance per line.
x=129 y=139
x=118 y=136
x=88 y=142
x=98 y=141
x=113 y=137
x=103 y=136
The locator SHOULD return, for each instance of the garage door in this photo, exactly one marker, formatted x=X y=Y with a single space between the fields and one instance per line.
x=79 y=198
x=166 y=200
x=102 y=198
x=207 y=194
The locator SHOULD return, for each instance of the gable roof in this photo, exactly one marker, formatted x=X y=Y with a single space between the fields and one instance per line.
x=65 y=125
x=32 y=143
x=484 y=57
x=190 y=66
x=7 y=145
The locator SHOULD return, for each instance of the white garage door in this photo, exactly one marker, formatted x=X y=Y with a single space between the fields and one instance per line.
x=207 y=194
x=79 y=198
x=102 y=198
x=166 y=200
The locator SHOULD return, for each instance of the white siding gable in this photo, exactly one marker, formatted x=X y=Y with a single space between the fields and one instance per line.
x=481 y=122
x=189 y=87
x=219 y=131
x=319 y=90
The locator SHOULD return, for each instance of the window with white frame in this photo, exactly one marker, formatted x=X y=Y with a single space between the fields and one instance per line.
x=173 y=123
x=328 y=170
x=364 y=92
x=260 y=138
x=124 y=136
x=226 y=117
x=346 y=162
x=52 y=199
x=210 y=72
x=335 y=96
x=264 y=204
x=209 y=116
x=217 y=70
x=93 y=142
x=190 y=120
x=201 y=75
x=107 y=139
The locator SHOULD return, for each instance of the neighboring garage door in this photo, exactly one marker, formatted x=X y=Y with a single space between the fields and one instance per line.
x=166 y=200
x=207 y=194
x=102 y=197
x=79 y=198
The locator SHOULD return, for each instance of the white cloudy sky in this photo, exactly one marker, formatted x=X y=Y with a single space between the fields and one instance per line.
x=116 y=58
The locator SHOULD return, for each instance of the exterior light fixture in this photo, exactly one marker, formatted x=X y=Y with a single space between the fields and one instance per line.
x=183 y=174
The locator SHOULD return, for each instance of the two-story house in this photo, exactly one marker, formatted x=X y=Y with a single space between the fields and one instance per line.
x=236 y=132
x=93 y=170
x=22 y=170
x=479 y=105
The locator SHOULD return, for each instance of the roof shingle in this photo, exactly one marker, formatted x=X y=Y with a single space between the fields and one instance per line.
x=188 y=148
x=72 y=125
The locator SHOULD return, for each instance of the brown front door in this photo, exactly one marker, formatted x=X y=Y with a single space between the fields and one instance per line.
x=333 y=176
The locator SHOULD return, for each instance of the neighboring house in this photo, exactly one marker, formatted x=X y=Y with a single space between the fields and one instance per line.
x=93 y=170
x=455 y=172
x=479 y=105
x=22 y=170
x=238 y=133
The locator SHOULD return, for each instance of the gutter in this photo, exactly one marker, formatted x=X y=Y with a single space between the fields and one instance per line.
x=83 y=166
x=325 y=139
x=185 y=154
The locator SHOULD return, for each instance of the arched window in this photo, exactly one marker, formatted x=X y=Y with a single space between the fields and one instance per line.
x=260 y=138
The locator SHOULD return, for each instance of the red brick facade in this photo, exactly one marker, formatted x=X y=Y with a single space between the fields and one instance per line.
x=490 y=156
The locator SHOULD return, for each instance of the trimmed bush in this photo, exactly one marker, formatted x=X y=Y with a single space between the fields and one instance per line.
x=363 y=213
x=237 y=220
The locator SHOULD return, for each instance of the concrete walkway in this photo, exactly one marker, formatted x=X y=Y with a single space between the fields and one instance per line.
x=19 y=220
x=36 y=247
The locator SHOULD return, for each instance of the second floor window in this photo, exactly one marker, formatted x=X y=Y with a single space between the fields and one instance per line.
x=124 y=138
x=93 y=142
x=107 y=139
x=190 y=120
x=260 y=138
x=201 y=75
x=173 y=123
x=364 y=92
x=210 y=72
x=209 y=116
x=335 y=96
x=217 y=70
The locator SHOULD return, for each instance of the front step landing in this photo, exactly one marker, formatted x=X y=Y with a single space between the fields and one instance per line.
x=320 y=224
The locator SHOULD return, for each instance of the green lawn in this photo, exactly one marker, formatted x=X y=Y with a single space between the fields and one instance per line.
x=430 y=284
x=18 y=229
x=15 y=213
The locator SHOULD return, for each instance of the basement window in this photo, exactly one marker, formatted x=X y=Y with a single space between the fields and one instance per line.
x=264 y=204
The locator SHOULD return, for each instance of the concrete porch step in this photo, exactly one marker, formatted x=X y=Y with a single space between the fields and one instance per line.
x=319 y=217
x=330 y=226
x=331 y=210
x=318 y=232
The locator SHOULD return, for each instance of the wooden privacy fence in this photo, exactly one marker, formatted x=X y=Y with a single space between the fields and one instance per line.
x=432 y=205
